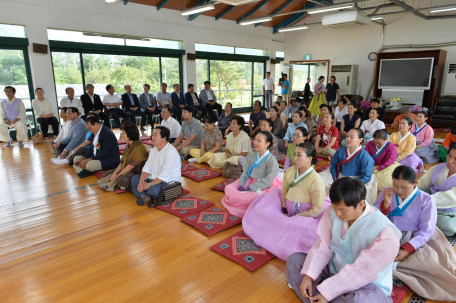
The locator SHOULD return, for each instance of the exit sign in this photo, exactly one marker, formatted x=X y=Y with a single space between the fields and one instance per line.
x=308 y=57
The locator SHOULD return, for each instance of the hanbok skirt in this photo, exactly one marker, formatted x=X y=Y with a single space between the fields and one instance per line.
x=314 y=107
x=218 y=160
x=237 y=202
x=413 y=161
x=280 y=234
x=384 y=177
x=371 y=186
x=431 y=270
x=446 y=221
x=429 y=154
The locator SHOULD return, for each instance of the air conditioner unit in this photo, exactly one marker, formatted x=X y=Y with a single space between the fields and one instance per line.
x=346 y=19
x=449 y=87
x=346 y=77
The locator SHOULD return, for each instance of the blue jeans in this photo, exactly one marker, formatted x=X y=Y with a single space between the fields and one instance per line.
x=153 y=191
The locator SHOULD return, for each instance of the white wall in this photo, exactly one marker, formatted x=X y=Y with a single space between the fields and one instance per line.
x=352 y=46
x=132 y=19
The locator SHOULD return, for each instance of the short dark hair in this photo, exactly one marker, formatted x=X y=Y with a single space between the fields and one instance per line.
x=89 y=85
x=257 y=101
x=66 y=89
x=170 y=110
x=327 y=106
x=164 y=132
x=74 y=110
x=239 y=120
x=284 y=102
x=332 y=115
x=404 y=172
x=9 y=87
x=285 y=75
x=303 y=131
x=108 y=87
x=343 y=100
x=269 y=121
x=207 y=82
x=65 y=109
x=125 y=86
x=211 y=119
x=425 y=114
x=275 y=108
x=359 y=131
x=163 y=83
x=190 y=85
x=268 y=72
x=321 y=77
x=293 y=100
x=174 y=85
x=299 y=113
x=452 y=146
x=351 y=104
x=350 y=190
x=268 y=136
x=231 y=105
x=376 y=100
x=94 y=114
x=453 y=130
x=380 y=134
x=332 y=77
x=92 y=120
x=130 y=130
x=304 y=109
x=376 y=110
x=409 y=121
x=146 y=85
x=281 y=98
x=188 y=108
x=38 y=89
x=310 y=151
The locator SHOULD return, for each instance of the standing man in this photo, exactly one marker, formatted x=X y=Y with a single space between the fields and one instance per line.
x=130 y=104
x=148 y=105
x=193 y=132
x=285 y=84
x=268 y=90
x=12 y=112
x=178 y=103
x=170 y=123
x=332 y=89
x=307 y=91
x=91 y=102
x=208 y=100
x=255 y=119
x=71 y=101
x=191 y=98
x=163 y=97
x=113 y=103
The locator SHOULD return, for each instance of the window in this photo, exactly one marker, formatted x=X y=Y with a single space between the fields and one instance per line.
x=170 y=72
x=280 y=54
x=258 y=77
x=201 y=74
x=67 y=73
x=214 y=48
x=14 y=31
x=251 y=51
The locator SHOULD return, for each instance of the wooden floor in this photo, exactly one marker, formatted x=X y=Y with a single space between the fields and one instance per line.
x=65 y=240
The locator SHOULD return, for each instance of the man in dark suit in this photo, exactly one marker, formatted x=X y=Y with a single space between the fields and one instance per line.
x=148 y=105
x=191 y=98
x=130 y=104
x=92 y=103
x=102 y=155
x=307 y=91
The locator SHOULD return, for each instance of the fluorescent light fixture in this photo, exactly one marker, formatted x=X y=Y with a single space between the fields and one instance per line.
x=328 y=9
x=377 y=18
x=257 y=20
x=111 y=1
x=293 y=28
x=443 y=10
x=197 y=9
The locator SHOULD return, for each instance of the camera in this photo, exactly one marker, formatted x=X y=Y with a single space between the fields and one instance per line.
x=281 y=79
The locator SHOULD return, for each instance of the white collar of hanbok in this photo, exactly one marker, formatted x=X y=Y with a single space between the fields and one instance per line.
x=402 y=138
x=445 y=173
x=380 y=149
x=263 y=156
x=351 y=155
x=418 y=129
x=365 y=212
x=403 y=203
x=299 y=177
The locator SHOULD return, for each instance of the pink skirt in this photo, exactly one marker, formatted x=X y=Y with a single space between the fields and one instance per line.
x=237 y=202
x=277 y=233
x=413 y=161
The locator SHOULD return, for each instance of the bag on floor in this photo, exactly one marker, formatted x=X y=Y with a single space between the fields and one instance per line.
x=37 y=138
x=232 y=171
x=106 y=184
x=169 y=193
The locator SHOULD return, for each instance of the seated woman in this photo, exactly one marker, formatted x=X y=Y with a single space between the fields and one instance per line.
x=266 y=126
x=324 y=109
x=299 y=136
x=371 y=125
x=352 y=259
x=210 y=144
x=288 y=138
x=405 y=144
x=353 y=161
x=427 y=262
x=406 y=112
x=133 y=160
x=274 y=220
x=440 y=182
x=237 y=145
x=225 y=119
x=259 y=175
x=349 y=121
x=384 y=154
x=426 y=148
x=327 y=135
x=277 y=129
x=306 y=118
x=340 y=112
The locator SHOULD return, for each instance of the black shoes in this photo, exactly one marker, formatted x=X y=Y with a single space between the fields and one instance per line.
x=84 y=173
x=143 y=200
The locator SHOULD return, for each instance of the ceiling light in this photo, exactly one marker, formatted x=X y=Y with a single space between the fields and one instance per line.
x=197 y=9
x=257 y=20
x=377 y=18
x=111 y=1
x=293 y=28
x=443 y=10
x=328 y=9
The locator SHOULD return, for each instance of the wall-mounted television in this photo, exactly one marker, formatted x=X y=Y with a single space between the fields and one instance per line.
x=405 y=74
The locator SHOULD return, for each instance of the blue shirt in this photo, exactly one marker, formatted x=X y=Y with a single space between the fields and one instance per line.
x=89 y=133
x=287 y=84
x=361 y=165
x=131 y=100
x=291 y=129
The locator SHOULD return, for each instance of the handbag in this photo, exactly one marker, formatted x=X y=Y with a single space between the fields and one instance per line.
x=232 y=171
x=169 y=193
x=106 y=184
x=37 y=138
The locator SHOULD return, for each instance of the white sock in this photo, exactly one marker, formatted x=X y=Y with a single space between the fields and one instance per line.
x=191 y=160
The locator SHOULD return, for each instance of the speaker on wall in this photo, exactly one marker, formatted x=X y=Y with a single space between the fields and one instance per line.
x=40 y=48
x=273 y=61
x=191 y=56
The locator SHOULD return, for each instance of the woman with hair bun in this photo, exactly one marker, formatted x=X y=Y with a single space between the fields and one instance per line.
x=285 y=221
x=319 y=97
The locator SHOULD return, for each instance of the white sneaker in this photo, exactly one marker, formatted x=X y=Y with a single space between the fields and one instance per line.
x=290 y=286
x=191 y=160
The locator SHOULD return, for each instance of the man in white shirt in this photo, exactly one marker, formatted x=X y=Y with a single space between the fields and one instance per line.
x=12 y=114
x=162 y=168
x=64 y=132
x=71 y=101
x=163 y=97
x=268 y=90
x=170 y=123
x=113 y=103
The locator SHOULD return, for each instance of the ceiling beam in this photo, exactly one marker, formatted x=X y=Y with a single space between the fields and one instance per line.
x=194 y=16
x=162 y=4
x=407 y=7
x=252 y=11
x=293 y=19
x=278 y=10
x=126 y=2
x=225 y=11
